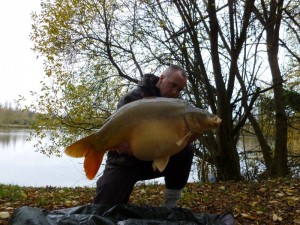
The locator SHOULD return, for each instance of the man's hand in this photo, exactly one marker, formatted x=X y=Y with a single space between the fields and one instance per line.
x=124 y=148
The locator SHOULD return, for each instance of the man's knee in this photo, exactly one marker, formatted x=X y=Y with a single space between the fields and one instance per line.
x=114 y=186
x=187 y=153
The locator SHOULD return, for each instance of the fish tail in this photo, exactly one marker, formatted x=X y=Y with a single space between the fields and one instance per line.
x=93 y=157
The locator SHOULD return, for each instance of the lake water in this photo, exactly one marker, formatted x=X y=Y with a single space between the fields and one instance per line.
x=21 y=165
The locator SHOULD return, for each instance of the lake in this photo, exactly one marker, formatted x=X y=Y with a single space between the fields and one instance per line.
x=21 y=164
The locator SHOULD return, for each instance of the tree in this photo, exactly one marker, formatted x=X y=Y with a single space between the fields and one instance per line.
x=80 y=89
x=270 y=15
x=116 y=42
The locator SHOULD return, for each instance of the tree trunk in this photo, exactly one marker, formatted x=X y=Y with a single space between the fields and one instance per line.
x=279 y=165
x=227 y=161
x=266 y=149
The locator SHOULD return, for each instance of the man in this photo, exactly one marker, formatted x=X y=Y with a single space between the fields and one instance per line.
x=122 y=170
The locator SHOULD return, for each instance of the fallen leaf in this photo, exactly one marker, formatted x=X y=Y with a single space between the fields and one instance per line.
x=247 y=216
x=273 y=202
x=262 y=189
x=4 y=215
x=296 y=221
x=280 y=194
x=275 y=217
x=253 y=204
x=244 y=197
x=292 y=201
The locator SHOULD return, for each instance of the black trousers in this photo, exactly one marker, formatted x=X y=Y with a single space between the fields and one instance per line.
x=116 y=183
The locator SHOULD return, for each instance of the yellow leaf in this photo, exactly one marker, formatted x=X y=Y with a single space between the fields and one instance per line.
x=243 y=196
x=247 y=216
x=222 y=188
x=253 y=204
x=292 y=201
x=23 y=194
x=4 y=215
x=280 y=194
x=275 y=217
x=262 y=189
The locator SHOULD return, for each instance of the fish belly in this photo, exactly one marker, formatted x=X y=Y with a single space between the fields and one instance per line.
x=155 y=139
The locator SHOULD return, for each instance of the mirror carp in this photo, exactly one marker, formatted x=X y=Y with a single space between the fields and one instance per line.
x=154 y=128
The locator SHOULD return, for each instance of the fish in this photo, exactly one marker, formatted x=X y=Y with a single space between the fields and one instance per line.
x=154 y=128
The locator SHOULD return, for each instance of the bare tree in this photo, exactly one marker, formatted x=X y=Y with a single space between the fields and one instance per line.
x=270 y=16
x=217 y=43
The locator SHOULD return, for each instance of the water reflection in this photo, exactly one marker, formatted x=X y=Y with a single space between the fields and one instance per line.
x=21 y=165
x=9 y=137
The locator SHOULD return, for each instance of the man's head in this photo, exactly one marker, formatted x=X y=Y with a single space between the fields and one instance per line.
x=172 y=82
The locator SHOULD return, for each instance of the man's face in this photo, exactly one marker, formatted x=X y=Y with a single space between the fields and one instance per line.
x=170 y=86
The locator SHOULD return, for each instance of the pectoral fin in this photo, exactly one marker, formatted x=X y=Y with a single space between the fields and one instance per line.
x=185 y=138
x=160 y=163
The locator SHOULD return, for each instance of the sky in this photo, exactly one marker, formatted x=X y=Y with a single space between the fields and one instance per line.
x=20 y=70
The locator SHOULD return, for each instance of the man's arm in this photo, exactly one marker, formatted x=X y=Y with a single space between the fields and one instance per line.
x=131 y=96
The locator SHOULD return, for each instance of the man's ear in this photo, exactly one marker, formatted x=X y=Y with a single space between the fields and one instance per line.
x=160 y=80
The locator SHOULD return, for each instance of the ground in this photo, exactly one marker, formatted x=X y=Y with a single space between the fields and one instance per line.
x=265 y=202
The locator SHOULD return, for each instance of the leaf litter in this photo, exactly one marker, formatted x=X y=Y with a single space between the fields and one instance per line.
x=271 y=202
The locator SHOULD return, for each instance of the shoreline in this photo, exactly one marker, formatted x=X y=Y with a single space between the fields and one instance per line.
x=15 y=126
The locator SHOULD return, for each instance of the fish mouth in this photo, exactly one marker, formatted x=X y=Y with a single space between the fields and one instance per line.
x=211 y=123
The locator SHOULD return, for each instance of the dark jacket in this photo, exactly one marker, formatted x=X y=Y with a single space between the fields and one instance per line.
x=146 y=88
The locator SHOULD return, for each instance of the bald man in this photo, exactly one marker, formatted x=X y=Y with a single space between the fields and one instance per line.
x=123 y=170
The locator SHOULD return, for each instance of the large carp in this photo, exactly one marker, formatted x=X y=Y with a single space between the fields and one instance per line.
x=154 y=128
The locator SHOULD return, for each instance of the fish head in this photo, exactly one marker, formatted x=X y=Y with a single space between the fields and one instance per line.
x=199 y=121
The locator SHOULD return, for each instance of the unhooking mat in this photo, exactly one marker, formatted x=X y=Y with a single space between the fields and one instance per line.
x=118 y=215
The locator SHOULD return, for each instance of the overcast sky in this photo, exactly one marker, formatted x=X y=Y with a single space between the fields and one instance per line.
x=20 y=71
